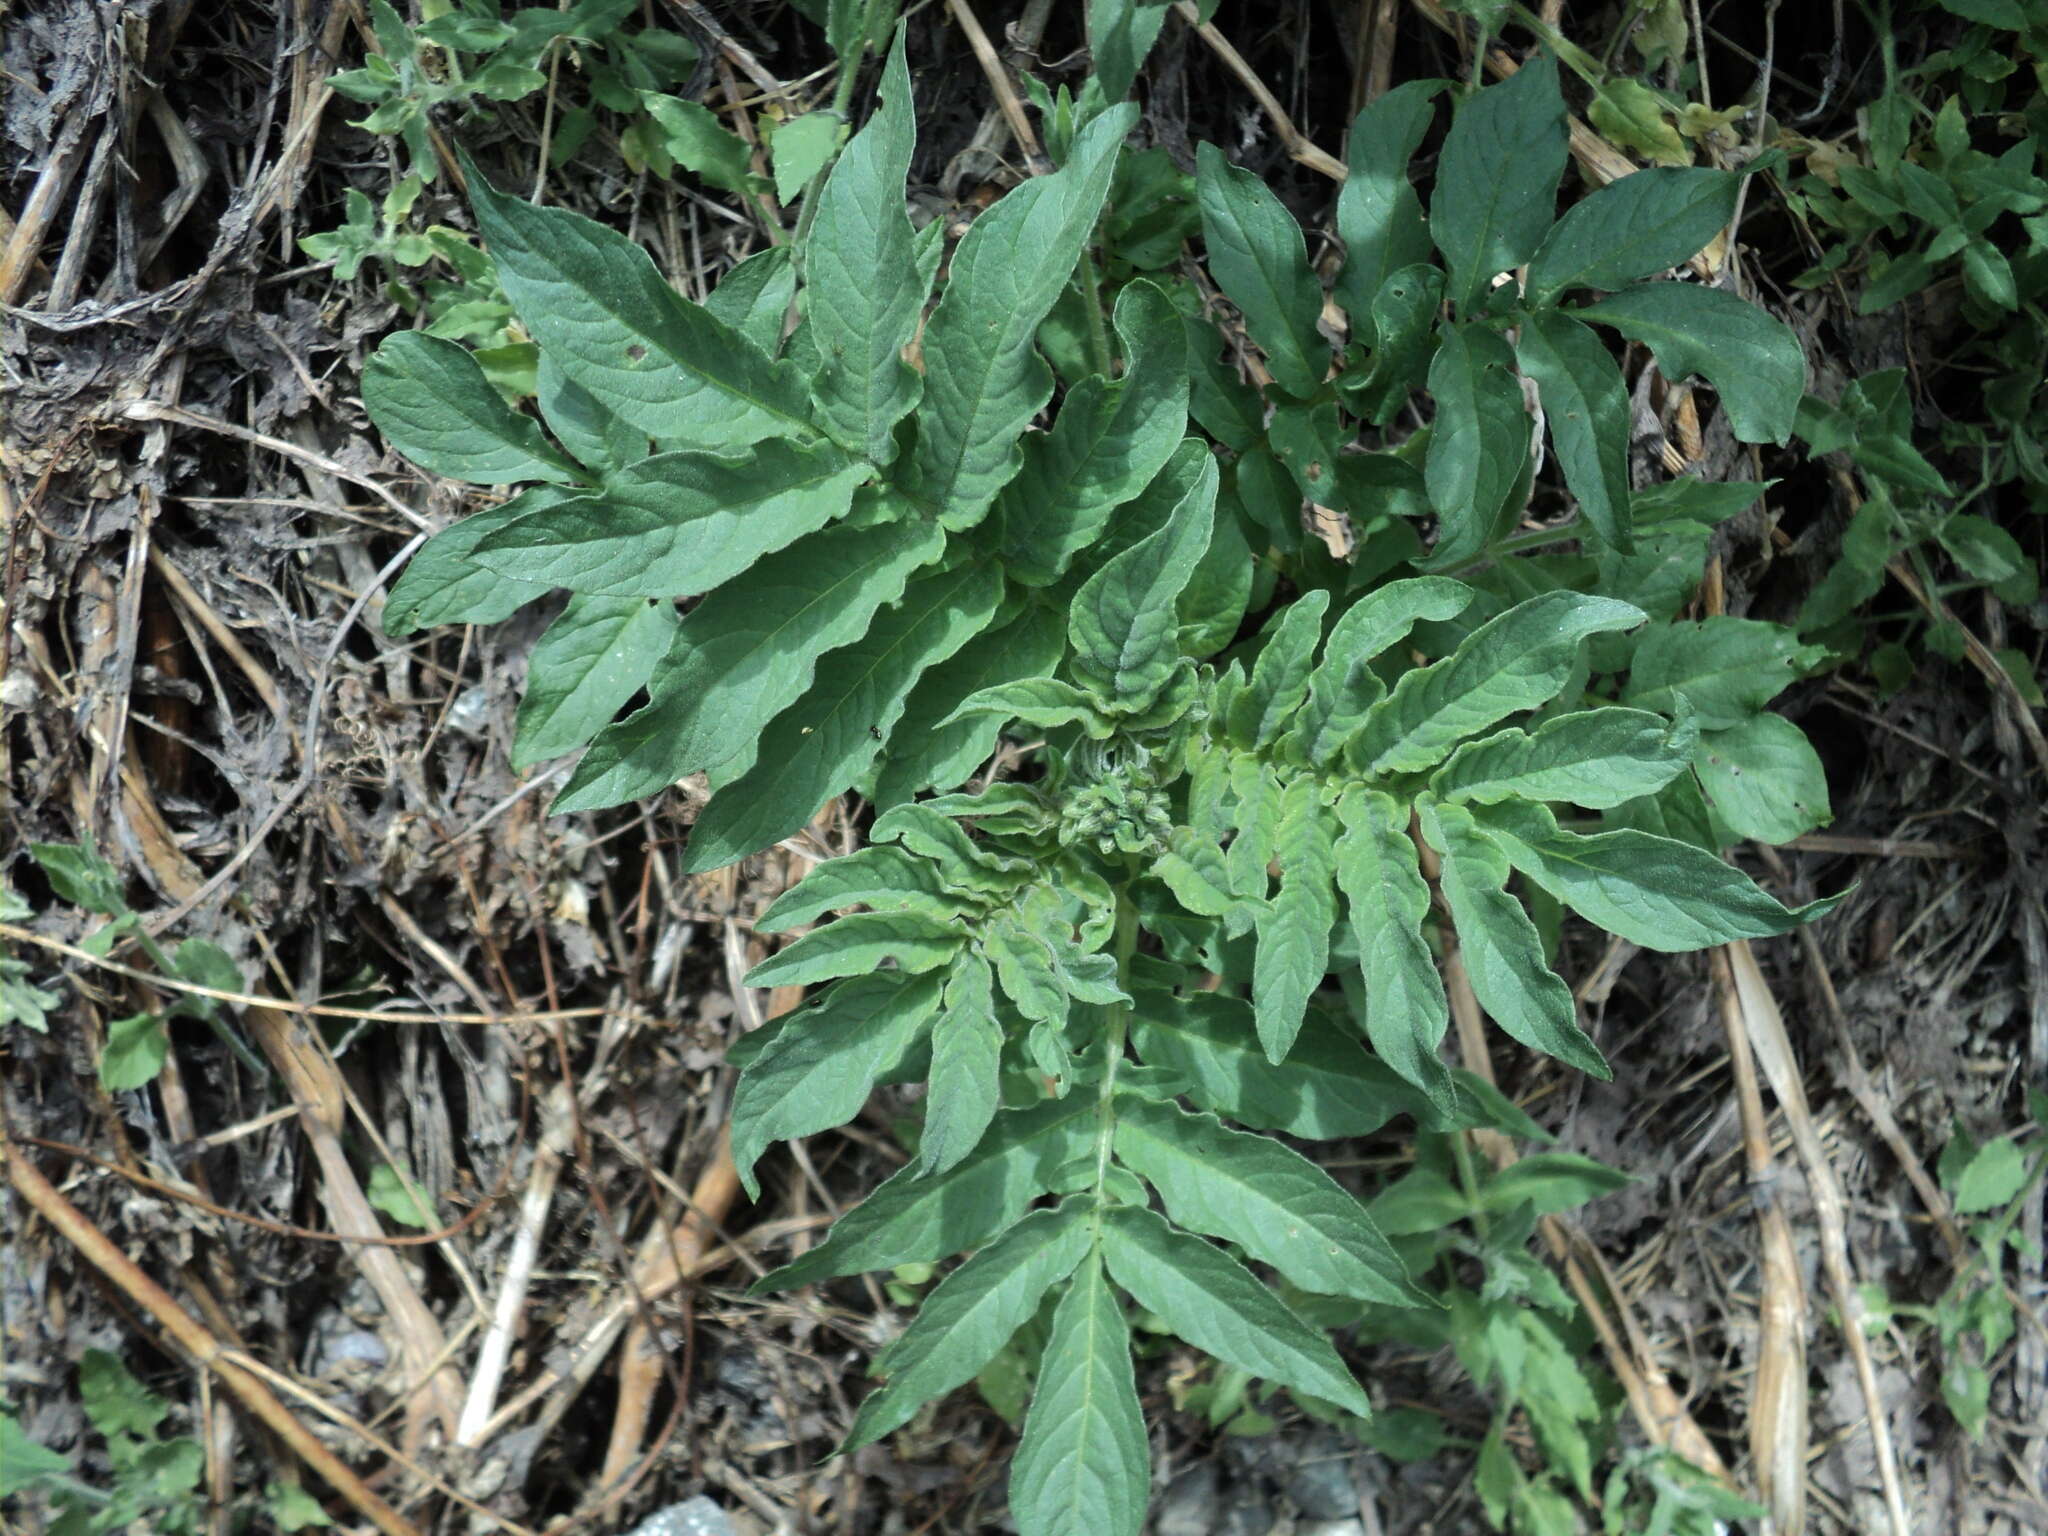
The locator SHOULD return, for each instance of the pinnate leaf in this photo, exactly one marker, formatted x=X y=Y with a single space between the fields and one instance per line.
x=1597 y=758
x=1661 y=894
x=594 y=300
x=1083 y=1466
x=1213 y=1302
x=678 y=523
x=1124 y=627
x=1294 y=928
x=1631 y=228
x=1503 y=952
x=911 y=1219
x=967 y=1046
x=970 y=1315
x=1752 y=359
x=1272 y=1202
x=1259 y=260
x=433 y=402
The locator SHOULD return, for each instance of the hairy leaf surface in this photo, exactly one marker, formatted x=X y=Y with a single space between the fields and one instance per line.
x=860 y=944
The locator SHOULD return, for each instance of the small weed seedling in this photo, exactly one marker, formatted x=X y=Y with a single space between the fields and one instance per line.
x=1268 y=784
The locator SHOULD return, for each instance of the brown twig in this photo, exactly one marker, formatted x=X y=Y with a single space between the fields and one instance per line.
x=999 y=82
x=192 y=1336
x=1299 y=146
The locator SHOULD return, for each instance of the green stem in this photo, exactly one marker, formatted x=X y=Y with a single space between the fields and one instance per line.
x=1468 y=1179
x=1116 y=1028
x=1098 y=332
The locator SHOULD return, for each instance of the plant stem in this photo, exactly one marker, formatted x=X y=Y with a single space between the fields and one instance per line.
x=1116 y=1027
x=1468 y=1180
x=1098 y=332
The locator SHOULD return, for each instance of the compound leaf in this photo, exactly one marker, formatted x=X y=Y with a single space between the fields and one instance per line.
x=1513 y=662
x=967 y=1046
x=1294 y=927
x=1752 y=359
x=984 y=379
x=1381 y=877
x=1503 y=951
x=1597 y=758
x=819 y=745
x=970 y=1315
x=1279 y=682
x=1585 y=405
x=1083 y=1466
x=911 y=1219
x=1272 y=1202
x=744 y=654
x=432 y=400
x=591 y=297
x=1259 y=260
x=1212 y=1301
x=866 y=290
x=1653 y=891
x=1496 y=180
x=1631 y=228
x=818 y=1070
x=596 y=655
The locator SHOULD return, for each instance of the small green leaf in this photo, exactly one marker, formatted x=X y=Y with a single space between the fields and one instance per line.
x=885 y=878
x=134 y=1053
x=1596 y=758
x=1551 y=1182
x=1258 y=259
x=80 y=876
x=967 y=1046
x=746 y=653
x=971 y=1315
x=817 y=1071
x=1379 y=872
x=911 y=1219
x=695 y=138
x=1124 y=627
x=115 y=1402
x=1272 y=1202
x=594 y=299
x=1635 y=227
x=1083 y=1466
x=1120 y=34
x=1995 y=1173
x=1990 y=554
x=1763 y=779
x=1725 y=669
x=678 y=523
x=800 y=148
x=446 y=584
x=1261 y=710
x=1503 y=951
x=589 y=431
x=754 y=297
x=817 y=747
x=1585 y=405
x=398 y=1197
x=1496 y=180
x=1379 y=217
x=1753 y=360
x=1479 y=444
x=594 y=657
x=1294 y=927
x=1513 y=662
x=1661 y=894
x=432 y=400
x=984 y=379
x=1212 y=1301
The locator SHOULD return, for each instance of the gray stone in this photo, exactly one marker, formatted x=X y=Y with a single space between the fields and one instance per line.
x=693 y=1517
x=1317 y=1477
x=1188 y=1507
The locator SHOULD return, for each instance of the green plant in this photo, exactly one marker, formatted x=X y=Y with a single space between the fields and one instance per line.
x=1976 y=1316
x=154 y=1484
x=135 y=1045
x=1092 y=967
